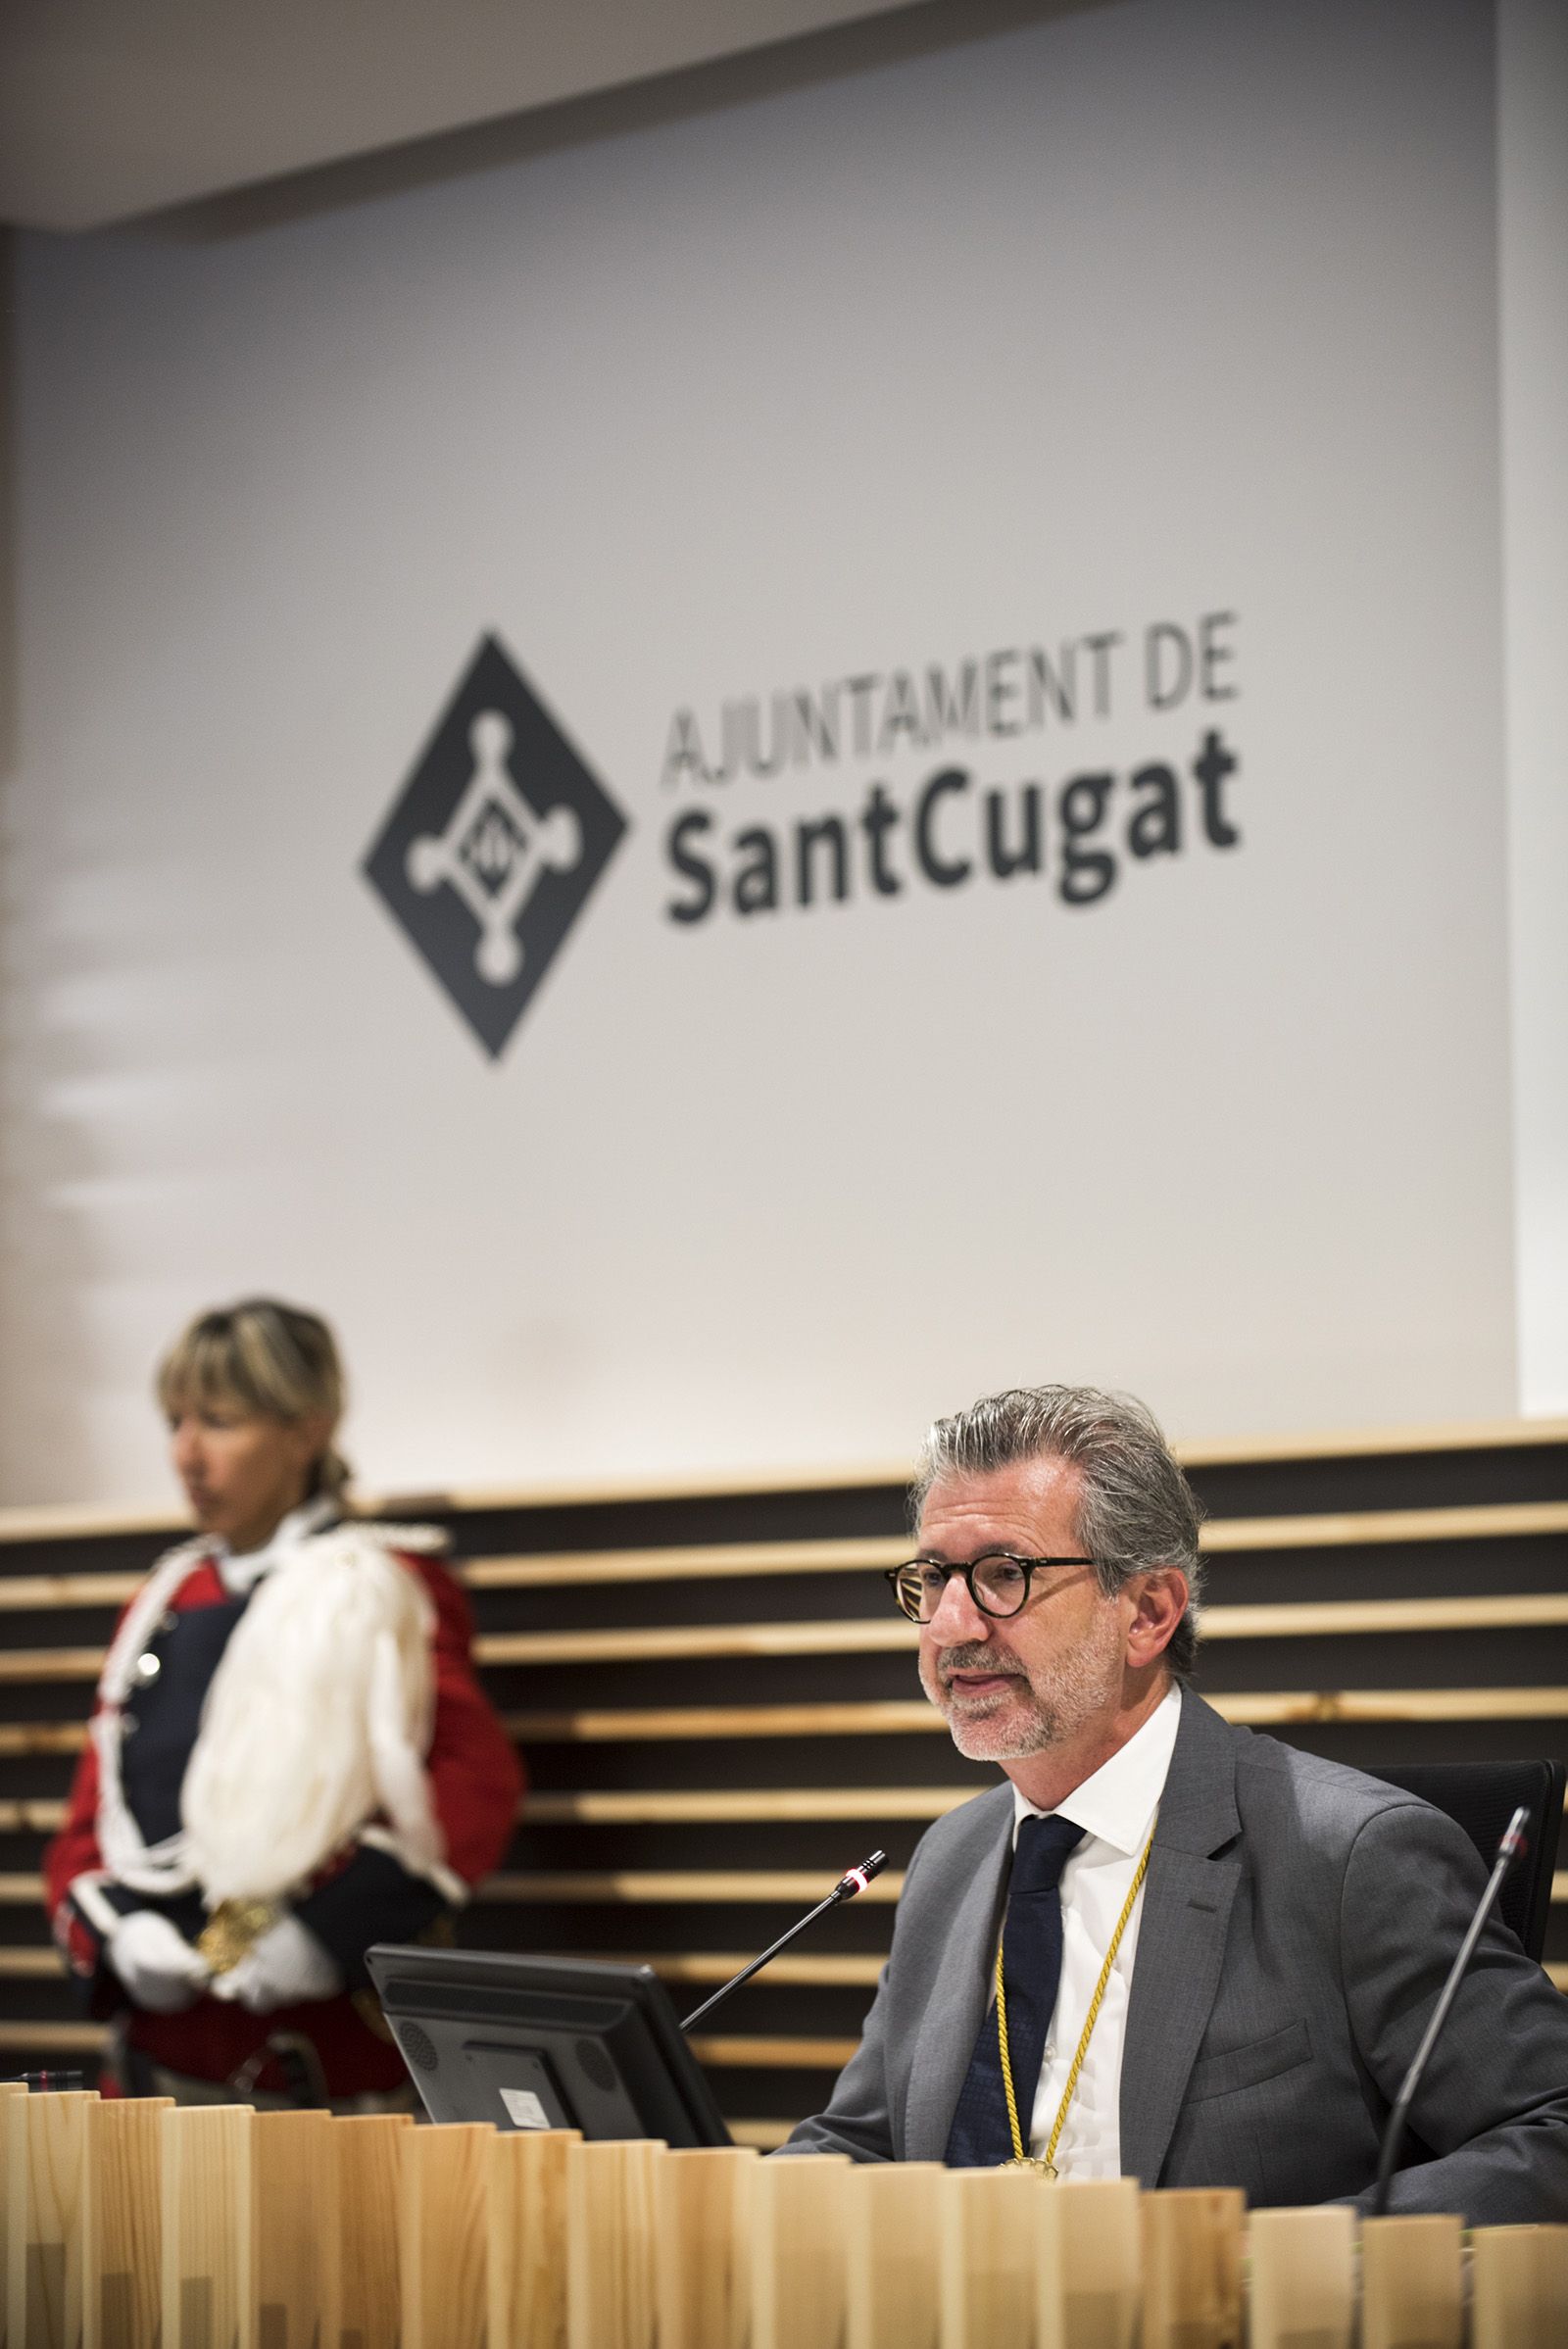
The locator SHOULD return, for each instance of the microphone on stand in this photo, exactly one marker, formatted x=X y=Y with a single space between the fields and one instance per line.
x=852 y=1881
x=1509 y=1850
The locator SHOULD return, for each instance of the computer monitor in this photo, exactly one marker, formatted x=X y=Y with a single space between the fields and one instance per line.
x=532 y=2043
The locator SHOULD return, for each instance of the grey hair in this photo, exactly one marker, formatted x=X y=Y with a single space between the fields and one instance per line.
x=1136 y=1509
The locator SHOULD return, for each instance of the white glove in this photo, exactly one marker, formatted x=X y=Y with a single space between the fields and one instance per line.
x=286 y=1966
x=160 y=1970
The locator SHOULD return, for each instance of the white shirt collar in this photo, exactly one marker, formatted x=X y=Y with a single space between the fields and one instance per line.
x=1117 y=1801
x=244 y=1571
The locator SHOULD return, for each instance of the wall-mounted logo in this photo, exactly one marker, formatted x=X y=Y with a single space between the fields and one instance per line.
x=494 y=846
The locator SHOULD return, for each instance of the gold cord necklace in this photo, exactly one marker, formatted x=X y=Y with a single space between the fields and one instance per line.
x=1047 y=2167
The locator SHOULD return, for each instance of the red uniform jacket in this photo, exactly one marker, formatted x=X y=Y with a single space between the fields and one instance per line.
x=365 y=1896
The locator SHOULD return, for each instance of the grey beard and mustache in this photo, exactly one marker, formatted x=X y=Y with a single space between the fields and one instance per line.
x=1038 y=1709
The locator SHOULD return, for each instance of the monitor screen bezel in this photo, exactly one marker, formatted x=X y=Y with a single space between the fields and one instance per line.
x=528 y=1999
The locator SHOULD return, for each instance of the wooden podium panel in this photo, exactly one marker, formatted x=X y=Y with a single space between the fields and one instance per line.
x=894 y=2216
x=611 y=2195
x=527 y=2231
x=367 y=2148
x=1088 y=2269
x=798 y=2268
x=1193 y=2295
x=122 y=2304
x=10 y=2090
x=702 y=2246
x=47 y=2209
x=1520 y=2281
x=1304 y=2278
x=298 y=2237
x=989 y=2231
x=209 y=2226
x=1412 y=2284
x=443 y=2204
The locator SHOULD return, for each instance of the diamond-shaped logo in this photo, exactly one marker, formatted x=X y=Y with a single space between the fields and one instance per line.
x=495 y=843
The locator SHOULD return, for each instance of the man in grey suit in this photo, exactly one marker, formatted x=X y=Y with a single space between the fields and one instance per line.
x=1278 y=1926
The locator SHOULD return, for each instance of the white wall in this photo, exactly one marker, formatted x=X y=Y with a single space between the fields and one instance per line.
x=1161 y=310
x=1533 y=225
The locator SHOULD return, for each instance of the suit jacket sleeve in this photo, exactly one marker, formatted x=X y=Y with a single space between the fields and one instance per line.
x=858 y=2119
x=1489 y=2127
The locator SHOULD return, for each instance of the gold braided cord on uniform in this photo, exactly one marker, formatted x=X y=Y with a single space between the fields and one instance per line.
x=1020 y=2160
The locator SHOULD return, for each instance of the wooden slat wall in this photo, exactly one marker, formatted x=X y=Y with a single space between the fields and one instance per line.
x=720 y=1713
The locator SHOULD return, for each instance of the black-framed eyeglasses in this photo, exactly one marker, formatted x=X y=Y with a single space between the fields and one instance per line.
x=997 y=1582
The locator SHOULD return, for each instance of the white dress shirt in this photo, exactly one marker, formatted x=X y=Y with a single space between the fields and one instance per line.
x=1116 y=1809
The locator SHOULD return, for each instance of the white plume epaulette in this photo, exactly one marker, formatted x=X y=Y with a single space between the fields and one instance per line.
x=316 y=1721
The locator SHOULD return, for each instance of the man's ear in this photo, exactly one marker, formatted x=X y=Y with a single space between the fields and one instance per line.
x=1160 y=1601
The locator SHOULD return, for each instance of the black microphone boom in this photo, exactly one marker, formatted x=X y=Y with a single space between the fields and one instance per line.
x=1509 y=1850
x=852 y=1881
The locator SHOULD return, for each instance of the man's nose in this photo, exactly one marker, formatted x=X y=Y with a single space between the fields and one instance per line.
x=957 y=1621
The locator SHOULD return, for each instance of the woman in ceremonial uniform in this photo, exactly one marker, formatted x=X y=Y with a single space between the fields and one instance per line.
x=290 y=1758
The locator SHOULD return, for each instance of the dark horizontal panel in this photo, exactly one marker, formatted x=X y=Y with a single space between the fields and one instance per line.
x=706 y=1680
x=25 y=1928
x=644 y=1931
x=607 y=1929
x=45 y=1700
x=1524 y=1563
x=767 y=2095
x=58 y=1627
x=717 y=1599
x=1464 y=1659
x=829 y=1849
x=1363 y=1744
x=1458 y=1478
x=802 y=1516
x=797 y=2012
x=33 y=1777
x=30 y=2001
x=930 y=1759
x=85 y=1553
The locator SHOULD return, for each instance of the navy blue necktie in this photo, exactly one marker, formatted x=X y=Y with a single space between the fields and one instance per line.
x=1031 y=1970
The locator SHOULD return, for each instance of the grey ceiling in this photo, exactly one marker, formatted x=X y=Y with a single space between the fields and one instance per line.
x=110 y=109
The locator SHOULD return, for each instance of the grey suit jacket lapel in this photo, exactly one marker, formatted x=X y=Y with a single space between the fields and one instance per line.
x=1181 y=1937
x=960 y=1980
